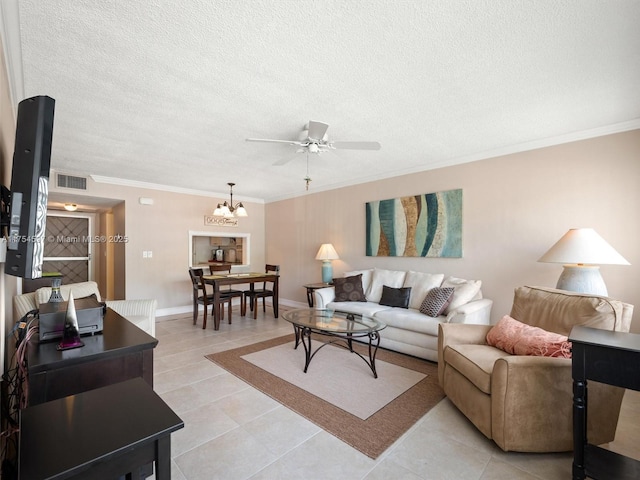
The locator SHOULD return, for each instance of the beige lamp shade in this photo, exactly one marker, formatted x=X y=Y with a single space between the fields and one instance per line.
x=581 y=250
x=583 y=246
x=327 y=252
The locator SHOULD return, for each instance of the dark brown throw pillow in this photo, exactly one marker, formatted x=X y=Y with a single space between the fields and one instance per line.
x=395 y=297
x=436 y=301
x=349 y=289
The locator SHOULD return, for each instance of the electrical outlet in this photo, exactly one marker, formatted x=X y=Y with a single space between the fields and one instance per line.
x=145 y=254
x=149 y=254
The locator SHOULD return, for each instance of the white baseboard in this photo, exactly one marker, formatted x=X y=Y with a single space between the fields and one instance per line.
x=165 y=312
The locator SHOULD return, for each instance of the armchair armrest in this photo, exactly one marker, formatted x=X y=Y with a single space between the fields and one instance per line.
x=475 y=312
x=458 y=334
x=141 y=313
x=543 y=388
x=323 y=296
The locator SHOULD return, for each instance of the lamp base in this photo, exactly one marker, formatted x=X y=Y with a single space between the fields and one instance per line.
x=582 y=279
x=327 y=271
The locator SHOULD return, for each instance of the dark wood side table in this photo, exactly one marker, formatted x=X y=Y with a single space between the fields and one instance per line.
x=121 y=352
x=312 y=287
x=606 y=357
x=104 y=433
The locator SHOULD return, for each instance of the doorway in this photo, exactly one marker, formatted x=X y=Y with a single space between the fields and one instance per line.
x=68 y=249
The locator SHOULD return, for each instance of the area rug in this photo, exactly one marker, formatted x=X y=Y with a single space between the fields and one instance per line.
x=371 y=436
x=338 y=376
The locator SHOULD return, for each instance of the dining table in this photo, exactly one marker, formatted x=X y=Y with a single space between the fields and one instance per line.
x=221 y=279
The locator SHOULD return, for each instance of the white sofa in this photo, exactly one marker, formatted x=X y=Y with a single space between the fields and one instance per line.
x=408 y=330
x=141 y=313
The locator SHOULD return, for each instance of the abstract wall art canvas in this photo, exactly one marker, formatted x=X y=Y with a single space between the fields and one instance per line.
x=428 y=225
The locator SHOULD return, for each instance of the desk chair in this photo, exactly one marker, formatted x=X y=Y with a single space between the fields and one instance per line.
x=204 y=299
x=263 y=293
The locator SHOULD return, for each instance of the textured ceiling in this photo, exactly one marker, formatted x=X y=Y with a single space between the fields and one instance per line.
x=166 y=92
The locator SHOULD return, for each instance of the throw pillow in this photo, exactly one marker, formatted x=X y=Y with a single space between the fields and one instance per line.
x=436 y=301
x=395 y=297
x=391 y=278
x=518 y=338
x=349 y=289
x=366 y=277
x=465 y=291
x=420 y=284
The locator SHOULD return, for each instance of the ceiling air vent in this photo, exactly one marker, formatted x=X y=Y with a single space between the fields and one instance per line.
x=69 y=181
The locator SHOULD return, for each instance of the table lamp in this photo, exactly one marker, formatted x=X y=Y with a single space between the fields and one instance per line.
x=581 y=250
x=326 y=254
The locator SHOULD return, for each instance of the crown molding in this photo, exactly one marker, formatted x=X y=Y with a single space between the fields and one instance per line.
x=169 y=188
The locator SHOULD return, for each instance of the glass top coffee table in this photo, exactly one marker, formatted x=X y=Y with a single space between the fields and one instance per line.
x=343 y=327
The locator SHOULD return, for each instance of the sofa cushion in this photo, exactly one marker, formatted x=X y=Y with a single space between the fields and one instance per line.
x=420 y=284
x=436 y=301
x=366 y=277
x=349 y=289
x=395 y=297
x=368 y=309
x=80 y=290
x=465 y=291
x=381 y=277
x=475 y=362
x=519 y=338
x=410 y=320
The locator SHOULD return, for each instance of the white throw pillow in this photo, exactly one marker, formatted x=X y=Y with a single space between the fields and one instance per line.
x=465 y=291
x=420 y=284
x=366 y=277
x=390 y=278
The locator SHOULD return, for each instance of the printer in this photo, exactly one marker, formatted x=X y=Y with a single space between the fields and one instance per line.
x=52 y=315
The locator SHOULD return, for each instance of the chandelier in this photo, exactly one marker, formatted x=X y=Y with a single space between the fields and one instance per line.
x=229 y=210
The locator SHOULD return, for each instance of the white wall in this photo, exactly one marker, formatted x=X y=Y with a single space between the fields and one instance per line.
x=515 y=208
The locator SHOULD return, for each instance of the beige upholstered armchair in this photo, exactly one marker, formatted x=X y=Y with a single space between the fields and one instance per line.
x=525 y=403
x=141 y=313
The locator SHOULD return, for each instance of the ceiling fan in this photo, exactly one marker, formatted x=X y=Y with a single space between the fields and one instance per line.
x=313 y=139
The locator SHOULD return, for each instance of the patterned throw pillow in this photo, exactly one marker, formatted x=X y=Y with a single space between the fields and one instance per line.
x=518 y=338
x=349 y=289
x=395 y=297
x=436 y=301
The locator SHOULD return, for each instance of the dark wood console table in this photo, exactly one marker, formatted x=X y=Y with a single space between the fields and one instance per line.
x=121 y=352
x=103 y=433
x=606 y=357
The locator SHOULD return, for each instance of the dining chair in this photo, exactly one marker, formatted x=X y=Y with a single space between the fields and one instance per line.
x=228 y=292
x=263 y=293
x=201 y=297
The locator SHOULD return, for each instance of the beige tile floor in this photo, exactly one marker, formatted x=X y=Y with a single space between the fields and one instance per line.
x=234 y=432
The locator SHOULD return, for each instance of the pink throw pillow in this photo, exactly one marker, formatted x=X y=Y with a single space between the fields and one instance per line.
x=518 y=338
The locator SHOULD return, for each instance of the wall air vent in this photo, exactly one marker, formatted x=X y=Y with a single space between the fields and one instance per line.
x=69 y=181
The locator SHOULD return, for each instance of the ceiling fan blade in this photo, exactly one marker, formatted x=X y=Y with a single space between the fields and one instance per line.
x=356 y=145
x=317 y=130
x=290 y=142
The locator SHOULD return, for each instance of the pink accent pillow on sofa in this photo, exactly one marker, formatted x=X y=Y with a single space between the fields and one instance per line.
x=518 y=338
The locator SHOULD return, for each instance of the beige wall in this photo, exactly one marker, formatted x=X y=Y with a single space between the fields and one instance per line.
x=515 y=208
x=163 y=228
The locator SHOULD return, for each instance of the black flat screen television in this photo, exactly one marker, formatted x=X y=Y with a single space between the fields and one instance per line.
x=27 y=199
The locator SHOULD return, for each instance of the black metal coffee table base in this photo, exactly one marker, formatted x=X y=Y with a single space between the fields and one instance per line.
x=303 y=335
